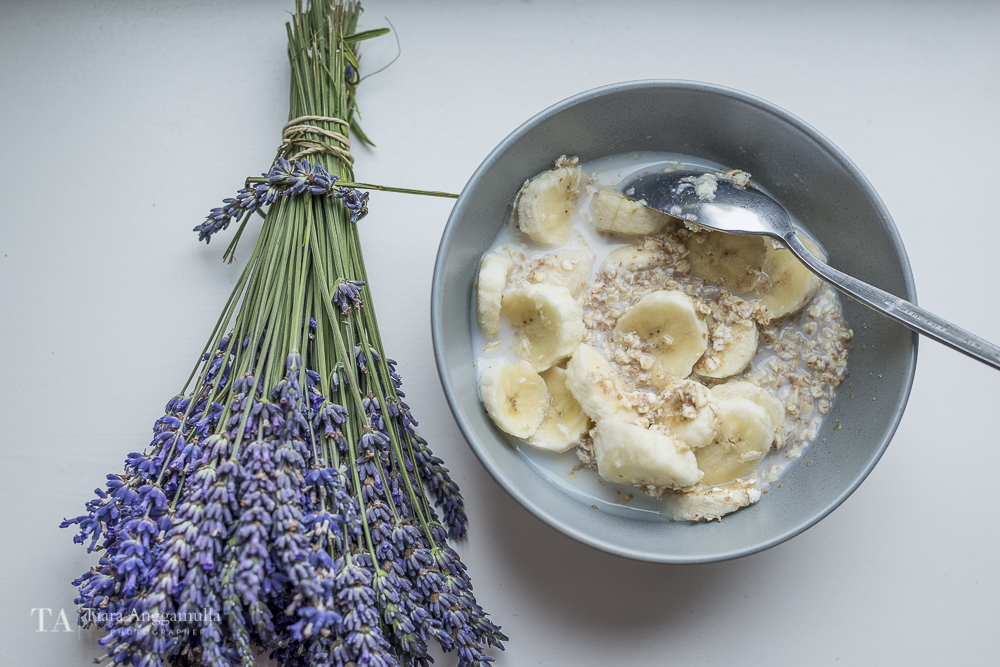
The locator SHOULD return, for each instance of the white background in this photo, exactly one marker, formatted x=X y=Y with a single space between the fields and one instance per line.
x=123 y=123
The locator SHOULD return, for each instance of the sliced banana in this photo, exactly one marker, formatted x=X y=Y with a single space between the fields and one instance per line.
x=545 y=204
x=792 y=284
x=566 y=421
x=690 y=413
x=732 y=261
x=515 y=397
x=565 y=268
x=493 y=273
x=745 y=435
x=597 y=386
x=548 y=321
x=613 y=213
x=629 y=454
x=763 y=398
x=731 y=349
x=675 y=333
x=631 y=258
x=707 y=503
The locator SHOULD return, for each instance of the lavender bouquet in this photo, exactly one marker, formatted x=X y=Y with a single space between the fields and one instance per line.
x=286 y=502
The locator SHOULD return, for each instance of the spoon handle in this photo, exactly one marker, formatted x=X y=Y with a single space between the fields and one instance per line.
x=902 y=311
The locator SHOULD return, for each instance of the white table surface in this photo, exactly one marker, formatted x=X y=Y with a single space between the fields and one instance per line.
x=123 y=123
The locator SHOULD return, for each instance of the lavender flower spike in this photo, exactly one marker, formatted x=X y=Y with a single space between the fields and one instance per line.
x=285 y=179
x=347 y=294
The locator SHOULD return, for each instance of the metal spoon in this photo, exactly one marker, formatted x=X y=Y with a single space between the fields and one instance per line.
x=738 y=210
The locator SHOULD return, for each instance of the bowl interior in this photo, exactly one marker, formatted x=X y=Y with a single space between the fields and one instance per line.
x=815 y=182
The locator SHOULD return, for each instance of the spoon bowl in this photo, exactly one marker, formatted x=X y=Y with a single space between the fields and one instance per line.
x=724 y=205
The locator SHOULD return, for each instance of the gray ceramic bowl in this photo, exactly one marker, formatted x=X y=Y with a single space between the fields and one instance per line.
x=819 y=186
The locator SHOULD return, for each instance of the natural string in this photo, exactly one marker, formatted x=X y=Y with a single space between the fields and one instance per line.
x=299 y=126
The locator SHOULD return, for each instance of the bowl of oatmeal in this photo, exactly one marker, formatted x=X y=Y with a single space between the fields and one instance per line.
x=651 y=389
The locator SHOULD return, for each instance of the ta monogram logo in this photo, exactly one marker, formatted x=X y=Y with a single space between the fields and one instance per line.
x=49 y=622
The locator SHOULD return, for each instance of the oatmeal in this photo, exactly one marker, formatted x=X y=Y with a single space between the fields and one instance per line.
x=690 y=365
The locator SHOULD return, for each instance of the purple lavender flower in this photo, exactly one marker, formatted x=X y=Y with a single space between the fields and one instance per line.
x=285 y=179
x=354 y=201
x=348 y=294
x=254 y=566
x=233 y=614
x=357 y=602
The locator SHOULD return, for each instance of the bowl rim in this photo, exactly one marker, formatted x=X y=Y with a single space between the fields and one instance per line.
x=437 y=323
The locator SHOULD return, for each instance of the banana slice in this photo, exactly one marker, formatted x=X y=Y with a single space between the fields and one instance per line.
x=705 y=503
x=690 y=413
x=613 y=213
x=792 y=284
x=515 y=398
x=676 y=334
x=630 y=454
x=730 y=350
x=762 y=397
x=548 y=321
x=545 y=203
x=566 y=421
x=631 y=258
x=493 y=273
x=732 y=261
x=744 y=437
x=597 y=386
x=566 y=268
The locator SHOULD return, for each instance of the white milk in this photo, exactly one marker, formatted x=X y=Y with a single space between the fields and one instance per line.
x=563 y=469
